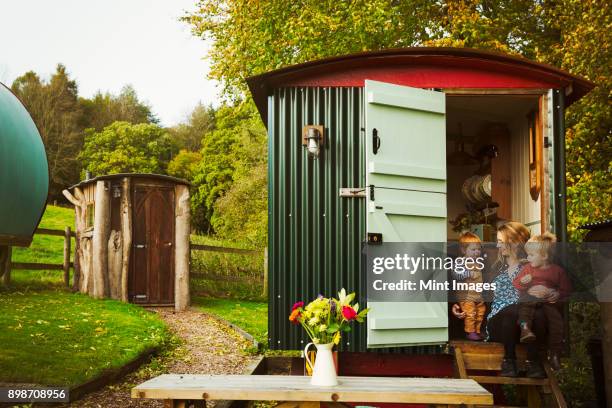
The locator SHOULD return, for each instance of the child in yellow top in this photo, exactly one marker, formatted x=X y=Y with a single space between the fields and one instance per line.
x=471 y=301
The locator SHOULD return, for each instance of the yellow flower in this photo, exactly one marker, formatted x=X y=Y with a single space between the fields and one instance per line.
x=337 y=338
x=323 y=327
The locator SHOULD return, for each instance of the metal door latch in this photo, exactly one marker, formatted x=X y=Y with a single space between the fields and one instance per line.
x=353 y=192
x=375 y=141
x=140 y=246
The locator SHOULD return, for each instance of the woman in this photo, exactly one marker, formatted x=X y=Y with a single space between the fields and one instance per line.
x=503 y=315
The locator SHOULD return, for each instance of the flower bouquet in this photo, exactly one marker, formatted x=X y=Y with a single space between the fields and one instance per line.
x=324 y=319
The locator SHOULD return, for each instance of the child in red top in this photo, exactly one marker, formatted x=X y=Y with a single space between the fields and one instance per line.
x=541 y=284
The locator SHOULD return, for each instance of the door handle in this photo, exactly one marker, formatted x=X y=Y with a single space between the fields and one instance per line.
x=375 y=141
x=140 y=246
x=168 y=244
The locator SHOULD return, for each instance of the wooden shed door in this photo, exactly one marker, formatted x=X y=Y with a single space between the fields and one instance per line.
x=406 y=164
x=152 y=272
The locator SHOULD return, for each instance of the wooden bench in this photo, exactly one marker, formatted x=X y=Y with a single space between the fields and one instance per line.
x=296 y=392
x=473 y=356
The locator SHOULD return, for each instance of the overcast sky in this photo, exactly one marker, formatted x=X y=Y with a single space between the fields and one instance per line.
x=106 y=44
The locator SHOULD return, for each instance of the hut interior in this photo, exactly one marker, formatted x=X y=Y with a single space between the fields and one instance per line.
x=494 y=164
x=494 y=167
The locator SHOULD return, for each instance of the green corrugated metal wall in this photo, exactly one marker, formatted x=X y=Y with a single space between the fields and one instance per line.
x=314 y=235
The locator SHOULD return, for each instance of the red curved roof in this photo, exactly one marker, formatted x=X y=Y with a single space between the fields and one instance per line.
x=422 y=67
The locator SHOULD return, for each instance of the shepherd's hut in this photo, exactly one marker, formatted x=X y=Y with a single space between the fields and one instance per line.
x=390 y=146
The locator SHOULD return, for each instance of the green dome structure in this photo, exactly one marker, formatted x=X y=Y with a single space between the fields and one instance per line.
x=24 y=172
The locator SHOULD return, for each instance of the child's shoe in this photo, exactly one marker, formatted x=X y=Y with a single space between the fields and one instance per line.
x=527 y=335
x=554 y=361
x=508 y=368
x=535 y=370
x=473 y=336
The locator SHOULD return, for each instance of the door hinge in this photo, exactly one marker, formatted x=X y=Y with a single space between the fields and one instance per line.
x=371 y=186
x=140 y=246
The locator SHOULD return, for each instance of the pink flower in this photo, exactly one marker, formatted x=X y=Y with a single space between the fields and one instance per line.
x=297 y=305
x=349 y=313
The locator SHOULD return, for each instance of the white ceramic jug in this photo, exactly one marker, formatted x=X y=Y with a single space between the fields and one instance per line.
x=324 y=370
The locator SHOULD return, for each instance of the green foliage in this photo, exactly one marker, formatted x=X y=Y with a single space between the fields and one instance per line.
x=576 y=375
x=250 y=38
x=584 y=47
x=126 y=148
x=242 y=213
x=575 y=35
x=81 y=337
x=104 y=109
x=244 y=271
x=62 y=116
x=235 y=145
x=184 y=164
x=189 y=135
x=54 y=108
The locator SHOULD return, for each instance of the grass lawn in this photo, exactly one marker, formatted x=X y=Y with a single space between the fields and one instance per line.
x=44 y=249
x=249 y=315
x=60 y=338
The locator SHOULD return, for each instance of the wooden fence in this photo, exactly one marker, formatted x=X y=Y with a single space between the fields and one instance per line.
x=65 y=266
x=232 y=278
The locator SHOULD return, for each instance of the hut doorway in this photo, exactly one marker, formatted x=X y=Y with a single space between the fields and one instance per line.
x=152 y=269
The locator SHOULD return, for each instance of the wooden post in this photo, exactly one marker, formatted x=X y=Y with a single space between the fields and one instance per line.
x=5 y=264
x=67 y=256
x=264 y=292
x=126 y=232
x=80 y=210
x=182 y=247
x=76 y=270
x=100 y=240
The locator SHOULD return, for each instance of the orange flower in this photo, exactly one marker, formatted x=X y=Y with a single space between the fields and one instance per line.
x=294 y=316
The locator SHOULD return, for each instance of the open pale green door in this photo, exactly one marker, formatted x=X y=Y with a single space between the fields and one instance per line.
x=406 y=165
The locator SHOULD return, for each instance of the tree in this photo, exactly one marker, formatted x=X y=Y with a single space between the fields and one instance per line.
x=236 y=143
x=184 y=164
x=189 y=135
x=104 y=109
x=250 y=38
x=54 y=108
x=123 y=147
x=241 y=214
x=253 y=37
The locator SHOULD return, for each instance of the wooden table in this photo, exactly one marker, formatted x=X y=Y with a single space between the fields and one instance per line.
x=296 y=391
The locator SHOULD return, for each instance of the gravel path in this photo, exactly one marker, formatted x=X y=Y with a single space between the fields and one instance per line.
x=209 y=347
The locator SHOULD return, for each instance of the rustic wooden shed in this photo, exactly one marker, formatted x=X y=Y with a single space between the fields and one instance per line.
x=133 y=238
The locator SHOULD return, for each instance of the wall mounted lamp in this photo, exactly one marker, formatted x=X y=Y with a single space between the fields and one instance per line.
x=313 y=139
